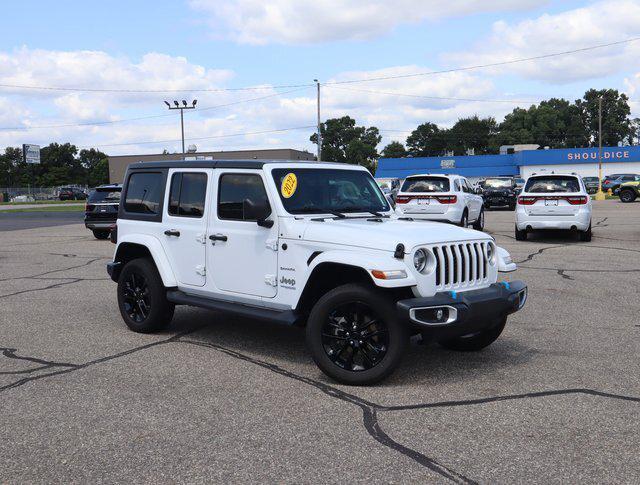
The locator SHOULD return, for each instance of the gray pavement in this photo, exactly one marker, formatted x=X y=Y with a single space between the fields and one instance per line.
x=15 y=221
x=555 y=399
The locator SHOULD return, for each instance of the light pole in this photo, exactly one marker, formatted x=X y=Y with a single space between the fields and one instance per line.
x=182 y=108
x=319 y=132
x=600 y=195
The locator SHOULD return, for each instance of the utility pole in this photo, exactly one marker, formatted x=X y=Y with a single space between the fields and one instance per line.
x=319 y=132
x=600 y=195
x=182 y=108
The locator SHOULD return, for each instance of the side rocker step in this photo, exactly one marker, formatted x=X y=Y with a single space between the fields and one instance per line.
x=285 y=317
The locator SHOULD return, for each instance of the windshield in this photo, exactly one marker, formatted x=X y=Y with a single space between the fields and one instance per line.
x=590 y=179
x=552 y=184
x=106 y=196
x=425 y=184
x=498 y=183
x=323 y=191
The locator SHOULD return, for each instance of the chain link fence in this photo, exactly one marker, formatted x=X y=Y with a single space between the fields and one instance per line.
x=32 y=194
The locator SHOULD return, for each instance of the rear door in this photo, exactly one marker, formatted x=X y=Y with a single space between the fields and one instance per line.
x=185 y=224
x=242 y=255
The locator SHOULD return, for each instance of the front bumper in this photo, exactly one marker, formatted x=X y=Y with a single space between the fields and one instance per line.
x=499 y=200
x=466 y=312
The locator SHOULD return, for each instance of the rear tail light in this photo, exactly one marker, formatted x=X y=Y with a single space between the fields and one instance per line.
x=447 y=199
x=401 y=199
x=527 y=200
x=606 y=181
x=579 y=200
x=89 y=207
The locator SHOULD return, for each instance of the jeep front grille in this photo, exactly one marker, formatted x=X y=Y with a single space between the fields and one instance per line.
x=460 y=265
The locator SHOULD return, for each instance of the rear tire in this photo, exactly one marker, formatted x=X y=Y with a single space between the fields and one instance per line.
x=476 y=341
x=585 y=236
x=354 y=335
x=478 y=225
x=512 y=207
x=142 y=298
x=521 y=235
x=627 y=195
x=101 y=234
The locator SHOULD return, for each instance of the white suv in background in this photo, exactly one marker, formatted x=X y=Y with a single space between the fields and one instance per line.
x=446 y=198
x=554 y=201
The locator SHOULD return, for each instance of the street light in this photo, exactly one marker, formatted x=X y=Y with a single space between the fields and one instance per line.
x=182 y=108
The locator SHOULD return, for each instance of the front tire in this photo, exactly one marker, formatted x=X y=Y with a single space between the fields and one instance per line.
x=354 y=335
x=476 y=341
x=464 y=221
x=478 y=225
x=627 y=195
x=142 y=297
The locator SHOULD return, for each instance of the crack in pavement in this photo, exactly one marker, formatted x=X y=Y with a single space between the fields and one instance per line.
x=538 y=252
x=76 y=367
x=34 y=290
x=86 y=263
x=369 y=412
x=45 y=364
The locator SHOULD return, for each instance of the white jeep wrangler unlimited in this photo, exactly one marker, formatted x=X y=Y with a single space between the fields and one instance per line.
x=305 y=243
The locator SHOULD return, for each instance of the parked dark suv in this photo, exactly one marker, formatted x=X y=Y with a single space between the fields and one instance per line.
x=101 y=212
x=499 y=192
x=71 y=193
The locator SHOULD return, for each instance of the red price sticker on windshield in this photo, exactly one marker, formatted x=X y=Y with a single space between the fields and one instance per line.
x=289 y=185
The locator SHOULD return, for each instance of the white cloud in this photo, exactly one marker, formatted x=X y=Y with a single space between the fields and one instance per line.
x=599 y=23
x=295 y=21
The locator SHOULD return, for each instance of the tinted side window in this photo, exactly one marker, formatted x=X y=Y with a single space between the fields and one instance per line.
x=187 y=194
x=144 y=192
x=234 y=188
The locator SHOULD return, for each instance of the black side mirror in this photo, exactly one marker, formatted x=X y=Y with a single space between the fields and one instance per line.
x=257 y=211
x=478 y=190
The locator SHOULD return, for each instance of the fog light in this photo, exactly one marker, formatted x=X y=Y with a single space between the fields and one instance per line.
x=440 y=315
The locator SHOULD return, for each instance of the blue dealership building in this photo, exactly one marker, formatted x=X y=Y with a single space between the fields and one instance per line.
x=583 y=161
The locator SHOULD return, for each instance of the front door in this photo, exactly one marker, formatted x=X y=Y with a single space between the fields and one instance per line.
x=184 y=224
x=242 y=256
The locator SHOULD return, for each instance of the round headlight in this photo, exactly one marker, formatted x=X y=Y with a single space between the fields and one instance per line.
x=420 y=260
x=491 y=253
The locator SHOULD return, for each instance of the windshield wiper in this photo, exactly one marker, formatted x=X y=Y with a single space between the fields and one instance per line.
x=339 y=215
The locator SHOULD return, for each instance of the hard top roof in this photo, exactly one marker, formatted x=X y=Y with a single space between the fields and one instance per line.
x=248 y=164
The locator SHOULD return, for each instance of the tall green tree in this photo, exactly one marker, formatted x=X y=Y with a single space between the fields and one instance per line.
x=96 y=165
x=343 y=141
x=616 y=125
x=395 y=149
x=473 y=133
x=59 y=166
x=427 y=140
x=12 y=170
x=555 y=123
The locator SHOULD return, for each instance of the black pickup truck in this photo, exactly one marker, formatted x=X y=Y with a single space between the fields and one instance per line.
x=499 y=192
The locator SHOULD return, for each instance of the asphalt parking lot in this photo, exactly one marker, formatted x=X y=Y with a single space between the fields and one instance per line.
x=555 y=399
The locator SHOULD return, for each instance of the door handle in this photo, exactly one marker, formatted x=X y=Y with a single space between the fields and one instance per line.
x=172 y=232
x=218 y=237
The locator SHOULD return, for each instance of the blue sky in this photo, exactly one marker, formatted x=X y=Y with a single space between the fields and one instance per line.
x=213 y=44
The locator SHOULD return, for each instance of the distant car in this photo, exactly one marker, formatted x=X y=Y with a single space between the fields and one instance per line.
x=629 y=191
x=554 y=201
x=389 y=186
x=71 y=193
x=101 y=212
x=614 y=181
x=519 y=184
x=591 y=184
x=445 y=198
x=499 y=192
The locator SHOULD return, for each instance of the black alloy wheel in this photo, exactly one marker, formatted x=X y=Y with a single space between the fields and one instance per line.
x=136 y=298
x=353 y=338
x=627 y=195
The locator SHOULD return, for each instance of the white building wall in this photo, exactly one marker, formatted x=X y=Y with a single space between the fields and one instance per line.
x=582 y=169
